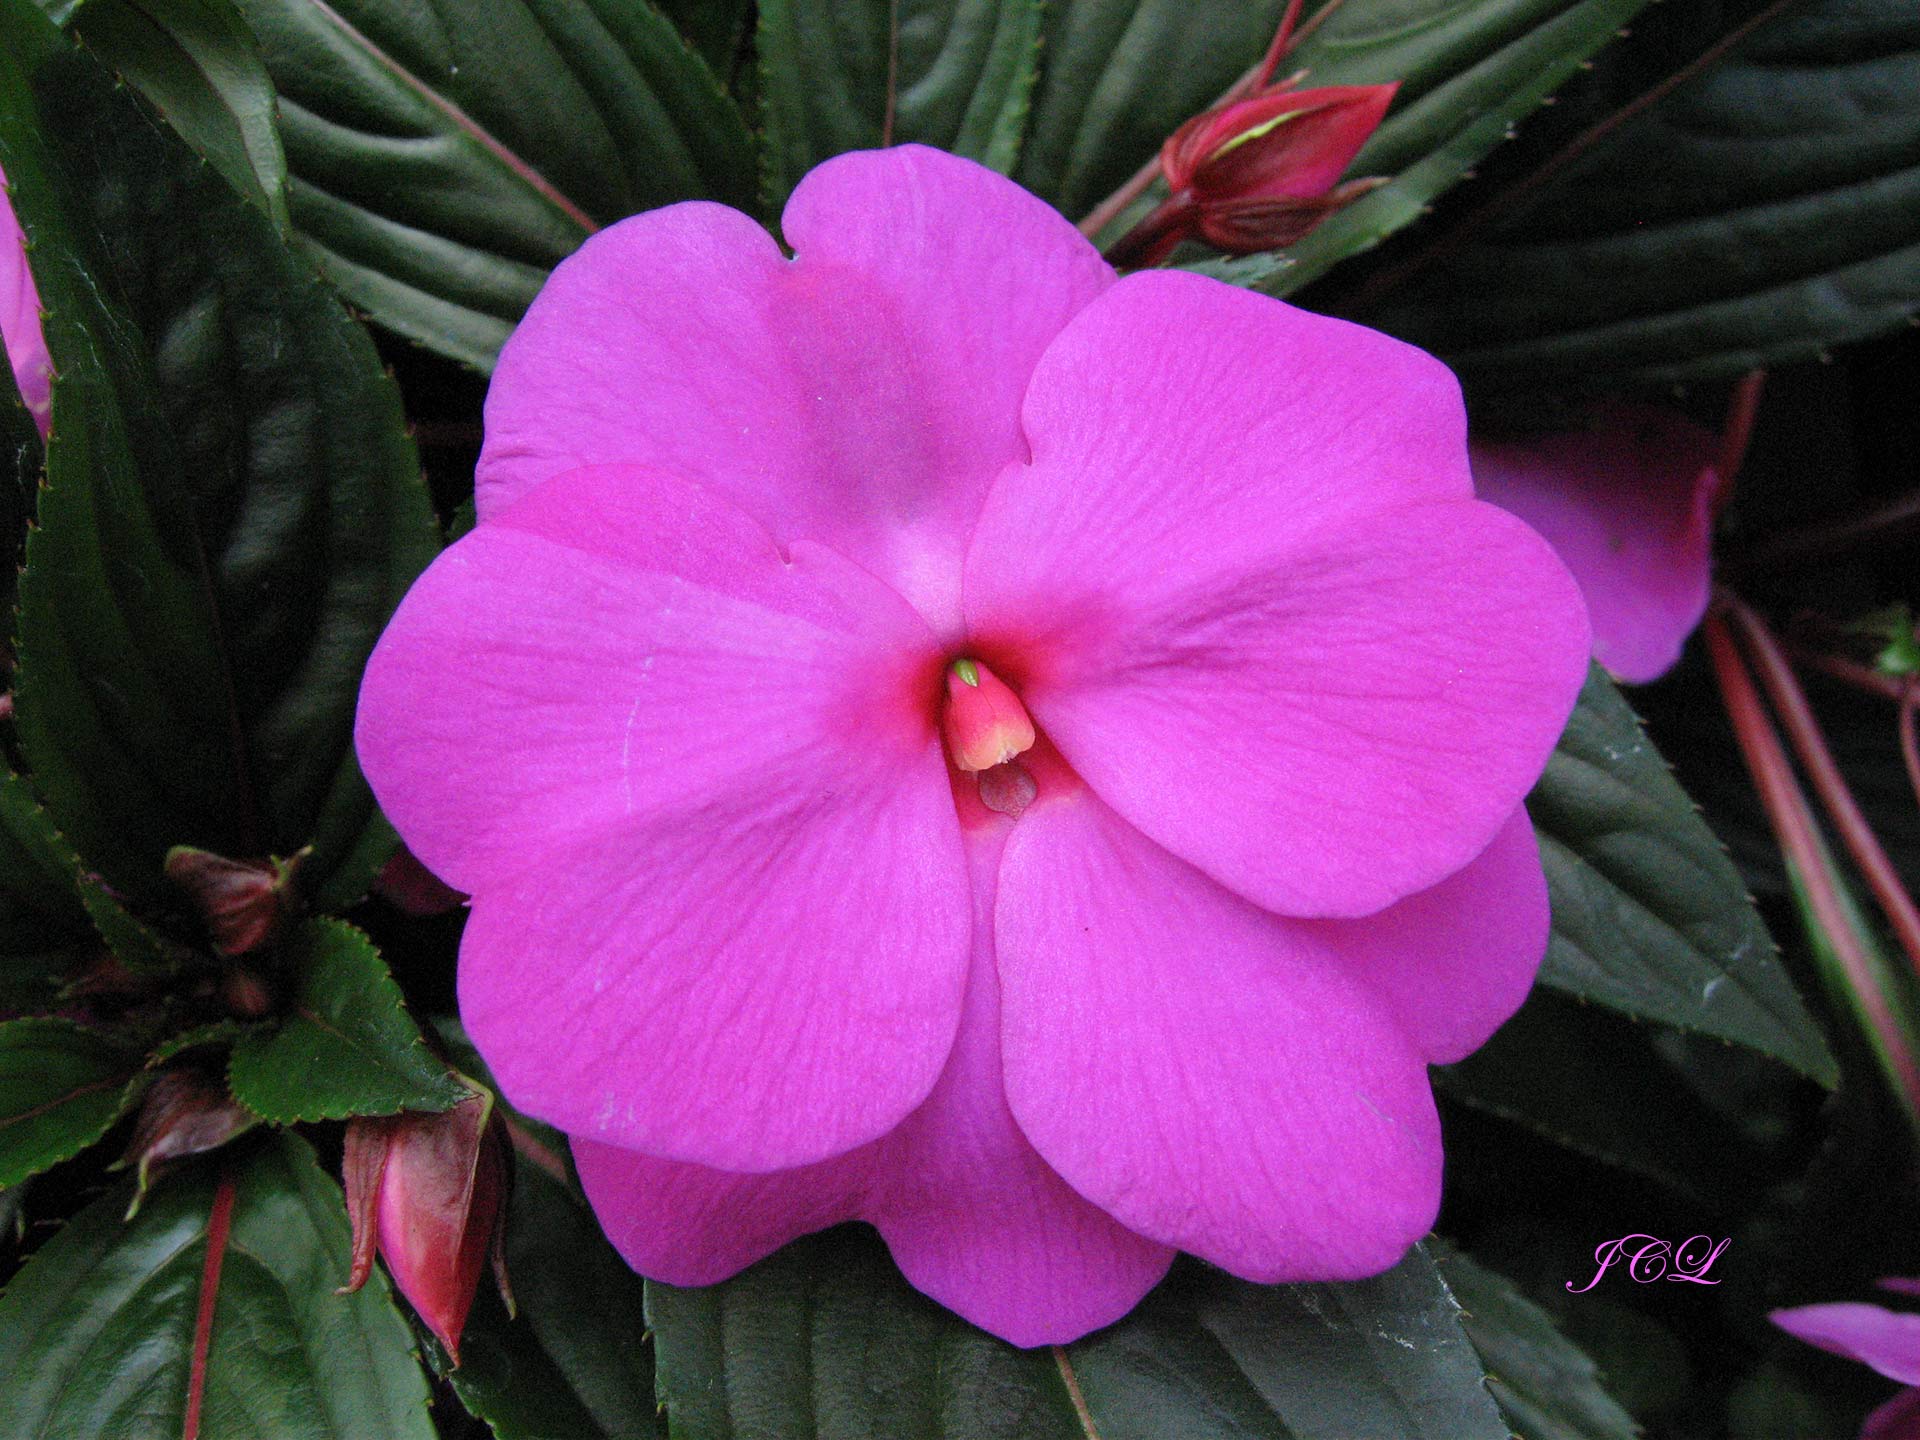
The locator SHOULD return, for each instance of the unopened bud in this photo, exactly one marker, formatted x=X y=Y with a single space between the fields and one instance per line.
x=1260 y=172
x=241 y=902
x=428 y=1192
x=183 y=1113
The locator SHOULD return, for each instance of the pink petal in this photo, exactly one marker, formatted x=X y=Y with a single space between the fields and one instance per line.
x=1455 y=961
x=864 y=395
x=1255 y=606
x=1887 y=1341
x=20 y=318
x=1898 y=1419
x=698 y=795
x=692 y=1225
x=973 y=1216
x=1211 y=1075
x=1899 y=1284
x=1628 y=503
x=620 y=644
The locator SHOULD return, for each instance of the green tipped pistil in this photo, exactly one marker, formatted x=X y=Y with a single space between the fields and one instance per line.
x=967 y=671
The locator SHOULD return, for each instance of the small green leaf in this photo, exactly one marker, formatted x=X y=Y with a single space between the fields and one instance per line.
x=61 y=1087
x=1547 y=1387
x=288 y=1358
x=347 y=1046
x=955 y=74
x=213 y=1032
x=443 y=158
x=1650 y=917
x=197 y=61
x=232 y=509
x=575 y=1362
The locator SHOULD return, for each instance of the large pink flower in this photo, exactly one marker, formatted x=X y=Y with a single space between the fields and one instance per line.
x=1169 y=978
x=20 y=317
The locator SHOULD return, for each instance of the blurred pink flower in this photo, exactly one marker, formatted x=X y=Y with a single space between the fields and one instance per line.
x=20 y=317
x=1628 y=501
x=1170 y=976
x=1886 y=1340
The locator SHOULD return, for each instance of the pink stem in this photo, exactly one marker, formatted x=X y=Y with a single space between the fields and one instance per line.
x=219 y=1223
x=1799 y=836
x=1796 y=716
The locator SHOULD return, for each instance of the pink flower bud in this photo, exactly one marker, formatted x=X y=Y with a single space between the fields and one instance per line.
x=428 y=1192
x=985 y=724
x=241 y=901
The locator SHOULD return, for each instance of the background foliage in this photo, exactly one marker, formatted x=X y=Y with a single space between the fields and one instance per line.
x=280 y=243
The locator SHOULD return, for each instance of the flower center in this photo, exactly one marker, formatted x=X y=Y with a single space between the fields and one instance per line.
x=985 y=723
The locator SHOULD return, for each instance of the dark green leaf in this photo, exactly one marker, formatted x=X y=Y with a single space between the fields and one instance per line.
x=43 y=926
x=444 y=157
x=1119 y=76
x=1762 y=212
x=233 y=506
x=716 y=28
x=52 y=917
x=1537 y=1072
x=96 y=1332
x=61 y=1086
x=1649 y=916
x=347 y=1045
x=575 y=1362
x=1469 y=74
x=956 y=74
x=825 y=1338
x=198 y=63
x=1211 y=1355
x=1547 y=1387
x=22 y=462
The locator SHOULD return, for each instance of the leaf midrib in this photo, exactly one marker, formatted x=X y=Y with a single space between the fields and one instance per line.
x=519 y=167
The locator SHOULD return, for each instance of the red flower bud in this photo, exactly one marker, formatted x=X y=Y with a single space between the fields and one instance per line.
x=1281 y=144
x=1259 y=172
x=428 y=1192
x=241 y=901
x=184 y=1113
